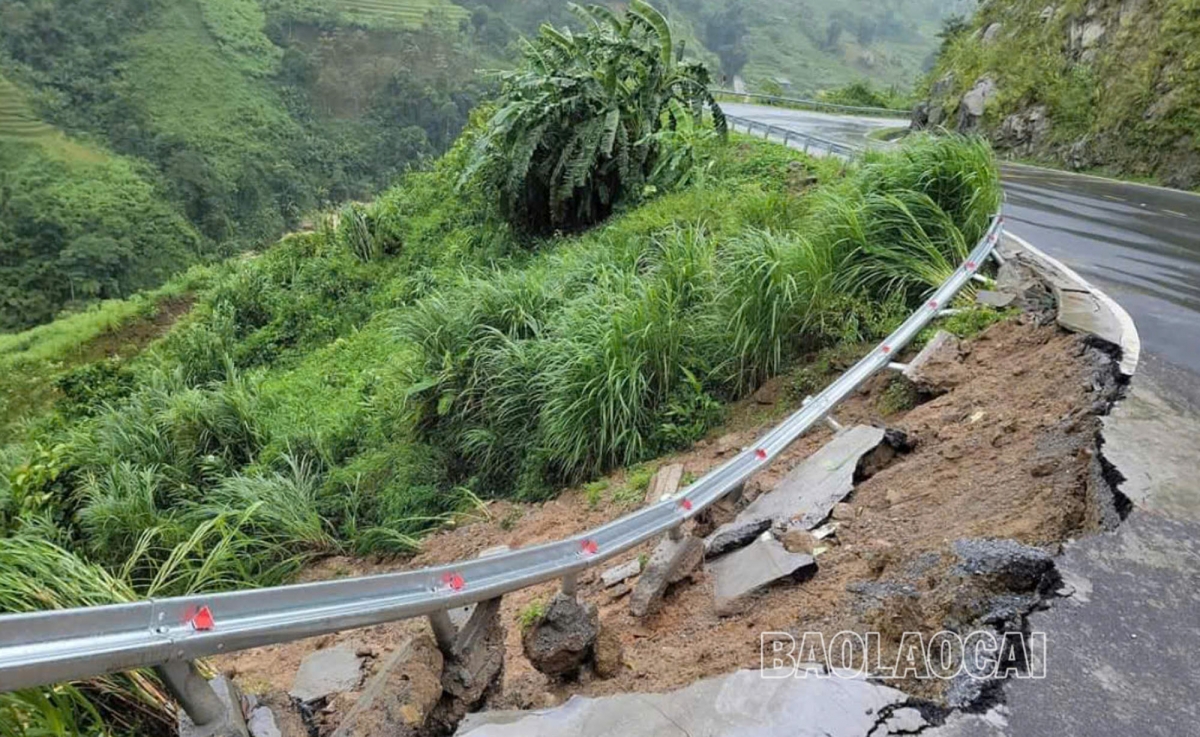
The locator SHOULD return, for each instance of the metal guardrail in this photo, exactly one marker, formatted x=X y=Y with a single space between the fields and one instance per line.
x=806 y=142
x=817 y=104
x=47 y=647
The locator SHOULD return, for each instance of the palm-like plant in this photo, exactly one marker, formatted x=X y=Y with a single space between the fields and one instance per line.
x=575 y=127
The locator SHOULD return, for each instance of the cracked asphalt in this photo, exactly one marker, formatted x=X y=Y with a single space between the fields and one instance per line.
x=1122 y=648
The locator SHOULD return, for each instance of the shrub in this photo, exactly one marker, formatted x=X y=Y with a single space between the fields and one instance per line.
x=576 y=128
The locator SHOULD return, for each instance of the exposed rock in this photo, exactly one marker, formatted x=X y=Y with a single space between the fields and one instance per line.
x=327 y=672
x=1010 y=564
x=736 y=534
x=1047 y=13
x=561 y=640
x=671 y=562
x=232 y=723
x=620 y=574
x=1031 y=295
x=609 y=654
x=262 y=723
x=992 y=33
x=1024 y=130
x=973 y=103
x=928 y=369
x=665 y=483
x=284 y=718
x=768 y=393
x=843 y=512
x=763 y=562
x=727 y=443
x=748 y=702
x=400 y=698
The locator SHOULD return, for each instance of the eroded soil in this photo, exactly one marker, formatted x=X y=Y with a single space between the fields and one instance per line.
x=1007 y=453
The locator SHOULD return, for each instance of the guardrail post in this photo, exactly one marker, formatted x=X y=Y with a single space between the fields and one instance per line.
x=444 y=630
x=192 y=691
x=570 y=584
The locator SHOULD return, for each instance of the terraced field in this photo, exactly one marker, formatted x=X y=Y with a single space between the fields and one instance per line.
x=410 y=13
x=16 y=118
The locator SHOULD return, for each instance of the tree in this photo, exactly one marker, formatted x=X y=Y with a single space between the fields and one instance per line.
x=575 y=127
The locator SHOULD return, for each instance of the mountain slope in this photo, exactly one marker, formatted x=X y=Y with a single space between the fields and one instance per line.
x=1108 y=84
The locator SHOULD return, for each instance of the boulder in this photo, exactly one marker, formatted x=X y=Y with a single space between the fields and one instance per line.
x=672 y=561
x=609 y=654
x=562 y=638
x=740 y=574
x=974 y=102
x=401 y=697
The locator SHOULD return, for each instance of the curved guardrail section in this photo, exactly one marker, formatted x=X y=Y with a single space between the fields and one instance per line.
x=817 y=104
x=48 y=647
x=807 y=142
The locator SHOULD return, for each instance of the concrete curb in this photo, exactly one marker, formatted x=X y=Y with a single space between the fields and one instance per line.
x=1081 y=306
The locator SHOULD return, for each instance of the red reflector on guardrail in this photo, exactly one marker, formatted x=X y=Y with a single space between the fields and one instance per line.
x=202 y=621
x=588 y=547
x=933 y=304
x=761 y=454
x=454 y=581
x=886 y=349
x=686 y=504
x=971 y=266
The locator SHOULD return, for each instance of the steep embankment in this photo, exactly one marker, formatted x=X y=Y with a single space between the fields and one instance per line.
x=1109 y=84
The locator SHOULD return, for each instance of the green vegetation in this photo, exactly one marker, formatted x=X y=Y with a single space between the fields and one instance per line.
x=357 y=385
x=1105 y=86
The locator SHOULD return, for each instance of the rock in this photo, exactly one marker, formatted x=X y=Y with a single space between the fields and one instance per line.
x=742 y=573
x=843 y=512
x=998 y=300
x=809 y=491
x=767 y=393
x=1024 y=130
x=992 y=33
x=561 y=640
x=1047 y=14
x=1015 y=566
x=748 y=702
x=262 y=723
x=617 y=592
x=671 y=562
x=231 y=724
x=1044 y=468
x=929 y=370
x=1031 y=295
x=974 y=102
x=907 y=720
x=665 y=483
x=285 y=716
x=942 y=86
x=473 y=664
x=736 y=534
x=726 y=443
x=620 y=574
x=327 y=672
x=796 y=540
x=1091 y=34
x=401 y=697
x=609 y=654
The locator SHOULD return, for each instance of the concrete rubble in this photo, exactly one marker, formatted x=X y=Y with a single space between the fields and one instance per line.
x=672 y=561
x=325 y=673
x=927 y=370
x=665 y=483
x=561 y=640
x=808 y=493
x=734 y=535
x=738 y=575
x=1010 y=564
x=763 y=704
x=620 y=574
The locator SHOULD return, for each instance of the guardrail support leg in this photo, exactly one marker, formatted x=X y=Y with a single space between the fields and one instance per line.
x=444 y=630
x=192 y=691
x=570 y=584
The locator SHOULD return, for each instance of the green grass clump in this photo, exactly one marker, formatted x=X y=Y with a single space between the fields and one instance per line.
x=530 y=614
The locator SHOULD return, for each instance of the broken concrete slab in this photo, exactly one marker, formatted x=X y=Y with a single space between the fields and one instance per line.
x=736 y=534
x=231 y=724
x=621 y=574
x=748 y=702
x=665 y=483
x=998 y=300
x=927 y=370
x=1015 y=566
x=671 y=562
x=399 y=699
x=810 y=490
x=562 y=638
x=327 y=672
x=282 y=718
x=262 y=723
x=743 y=572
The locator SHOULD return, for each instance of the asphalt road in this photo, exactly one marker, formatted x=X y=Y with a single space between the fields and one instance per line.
x=1140 y=244
x=1122 y=647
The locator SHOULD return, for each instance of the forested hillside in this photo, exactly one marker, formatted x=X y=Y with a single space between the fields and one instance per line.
x=1104 y=84
x=214 y=125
